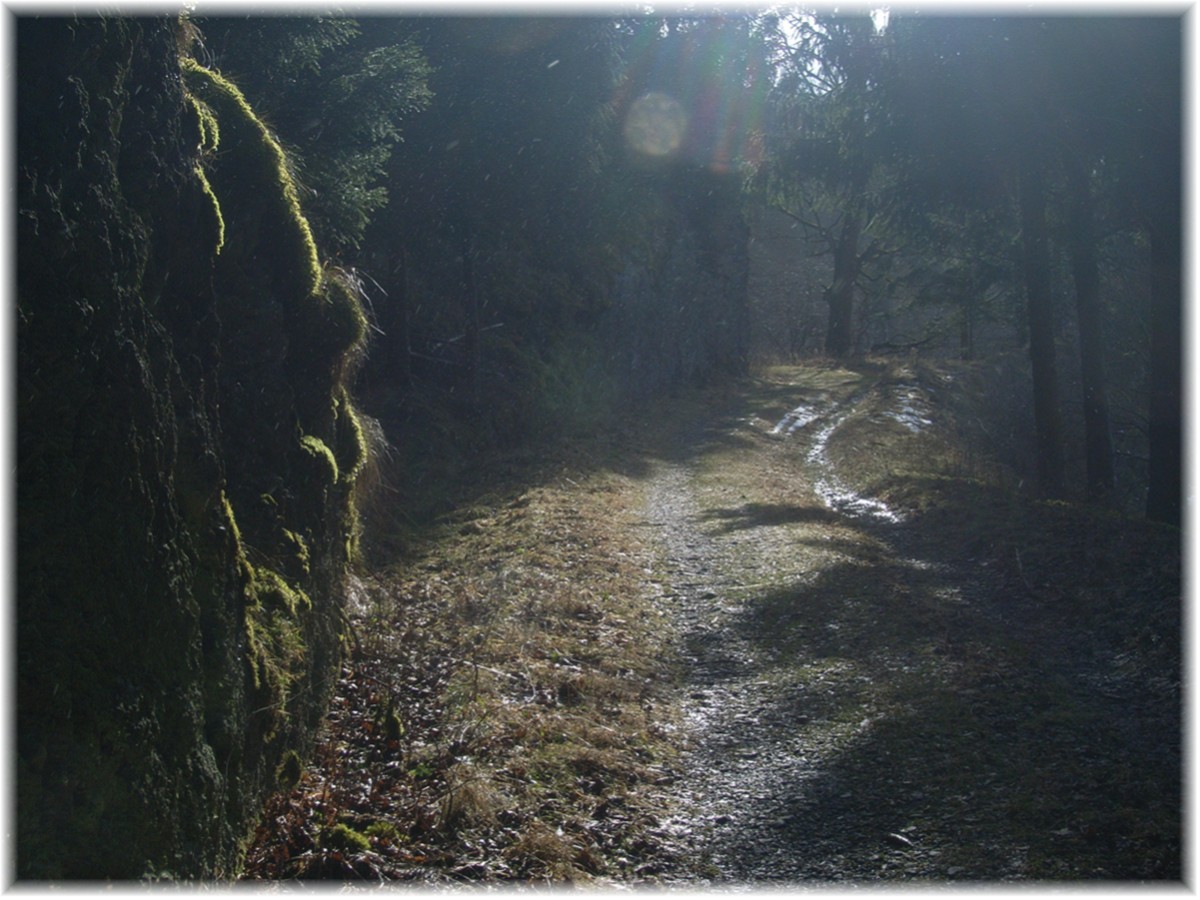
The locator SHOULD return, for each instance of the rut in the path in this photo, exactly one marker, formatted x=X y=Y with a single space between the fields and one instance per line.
x=753 y=752
x=743 y=740
x=873 y=697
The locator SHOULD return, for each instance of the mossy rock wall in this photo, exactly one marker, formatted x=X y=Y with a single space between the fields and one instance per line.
x=186 y=458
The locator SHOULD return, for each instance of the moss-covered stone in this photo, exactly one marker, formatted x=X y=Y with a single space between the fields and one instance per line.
x=177 y=635
x=257 y=174
x=326 y=467
x=289 y=771
x=116 y=775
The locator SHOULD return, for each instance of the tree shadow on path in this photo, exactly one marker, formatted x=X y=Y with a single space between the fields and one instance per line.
x=953 y=725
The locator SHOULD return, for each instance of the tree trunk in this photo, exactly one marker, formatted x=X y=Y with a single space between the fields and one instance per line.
x=839 y=338
x=406 y=352
x=1081 y=244
x=1164 y=497
x=1157 y=185
x=966 y=331
x=1036 y=264
x=474 y=315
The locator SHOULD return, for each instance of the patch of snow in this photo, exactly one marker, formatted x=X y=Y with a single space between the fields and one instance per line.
x=795 y=420
x=912 y=413
x=836 y=494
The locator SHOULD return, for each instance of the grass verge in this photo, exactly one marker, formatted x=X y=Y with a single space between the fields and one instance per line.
x=503 y=712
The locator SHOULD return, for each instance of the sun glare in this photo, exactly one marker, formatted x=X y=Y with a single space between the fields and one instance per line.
x=703 y=100
x=655 y=124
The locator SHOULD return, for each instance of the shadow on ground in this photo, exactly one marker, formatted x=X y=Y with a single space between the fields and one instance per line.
x=1000 y=712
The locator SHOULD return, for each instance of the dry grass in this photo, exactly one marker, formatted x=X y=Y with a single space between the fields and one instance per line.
x=531 y=674
x=566 y=668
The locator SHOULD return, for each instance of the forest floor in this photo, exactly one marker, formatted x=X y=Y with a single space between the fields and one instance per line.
x=798 y=629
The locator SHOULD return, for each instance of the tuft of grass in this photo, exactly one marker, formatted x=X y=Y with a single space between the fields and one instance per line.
x=471 y=799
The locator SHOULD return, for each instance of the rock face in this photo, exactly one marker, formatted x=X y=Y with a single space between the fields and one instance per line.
x=186 y=458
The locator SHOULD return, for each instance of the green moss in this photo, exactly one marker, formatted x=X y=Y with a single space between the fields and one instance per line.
x=345 y=319
x=317 y=449
x=289 y=770
x=255 y=172
x=300 y=552
x=293 y=332
x=344 y=838
x=275 y=645
x=274 y=622
x=352 y=452
x=206 y=121
x=216 y=208
x=393 y=728
x=351 y=443
x=230 y=521
x=269 y=590
x=385 y=832
x=276 y=650
x=208 y=133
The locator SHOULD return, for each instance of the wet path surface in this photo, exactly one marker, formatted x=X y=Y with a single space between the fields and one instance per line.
x=863 y=702
x=759 y=802
x=747 y=743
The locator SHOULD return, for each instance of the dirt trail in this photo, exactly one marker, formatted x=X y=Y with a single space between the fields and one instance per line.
x=737 y=526
x=867 y=700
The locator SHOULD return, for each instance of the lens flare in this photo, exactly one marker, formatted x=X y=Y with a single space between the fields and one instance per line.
x=655 y=124
x=701 y=95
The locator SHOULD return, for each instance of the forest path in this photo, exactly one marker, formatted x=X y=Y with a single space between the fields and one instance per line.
x=758 y=539
x=789 y=630
x=792 y=602
x=868 y=697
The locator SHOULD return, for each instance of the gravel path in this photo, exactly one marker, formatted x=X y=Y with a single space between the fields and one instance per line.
x=748 y=749
x=757 y=800
x=868 y=702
